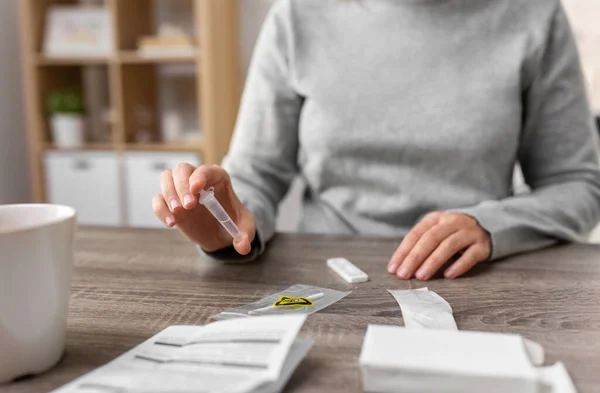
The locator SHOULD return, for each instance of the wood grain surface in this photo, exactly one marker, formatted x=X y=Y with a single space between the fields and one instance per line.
x=131 y=284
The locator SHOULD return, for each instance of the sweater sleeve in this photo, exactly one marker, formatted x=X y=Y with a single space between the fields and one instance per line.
x=557 y=155
x=262 y=160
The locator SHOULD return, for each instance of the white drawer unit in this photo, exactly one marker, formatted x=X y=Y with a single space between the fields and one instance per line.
x=142 y=183
x=87 y=181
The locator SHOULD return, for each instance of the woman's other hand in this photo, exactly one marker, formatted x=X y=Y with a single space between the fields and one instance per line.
x=177 y=204
x=434 y=241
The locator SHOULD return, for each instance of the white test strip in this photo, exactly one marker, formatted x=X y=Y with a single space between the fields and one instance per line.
x=347 y=270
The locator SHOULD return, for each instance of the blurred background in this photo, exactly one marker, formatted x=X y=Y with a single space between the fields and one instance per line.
x=97 y=97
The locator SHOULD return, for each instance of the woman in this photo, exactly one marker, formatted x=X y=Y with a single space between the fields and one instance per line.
x=404 y=112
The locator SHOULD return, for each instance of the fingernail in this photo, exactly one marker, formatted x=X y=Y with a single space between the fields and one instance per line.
x=169 y=221
x=188 y=199
x=449 y=273
x=392 y=268
x=422 y=275
x=175 y=204
x=403 y=273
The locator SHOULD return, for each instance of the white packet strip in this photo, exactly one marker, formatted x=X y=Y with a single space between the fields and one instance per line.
x=422 y=308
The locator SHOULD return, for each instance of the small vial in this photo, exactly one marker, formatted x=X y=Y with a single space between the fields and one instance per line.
x=207 y=198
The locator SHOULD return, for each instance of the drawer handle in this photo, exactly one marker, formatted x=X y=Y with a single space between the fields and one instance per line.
x=159 y=166
x=81 y=165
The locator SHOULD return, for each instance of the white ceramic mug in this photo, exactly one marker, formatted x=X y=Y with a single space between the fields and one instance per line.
x=36 y=260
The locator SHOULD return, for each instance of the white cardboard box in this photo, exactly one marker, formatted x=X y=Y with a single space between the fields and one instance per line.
x=396 y=359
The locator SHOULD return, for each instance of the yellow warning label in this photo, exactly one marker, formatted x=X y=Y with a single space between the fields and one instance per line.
x=288 y=301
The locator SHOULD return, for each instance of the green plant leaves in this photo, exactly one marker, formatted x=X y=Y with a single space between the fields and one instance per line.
x=65 y=102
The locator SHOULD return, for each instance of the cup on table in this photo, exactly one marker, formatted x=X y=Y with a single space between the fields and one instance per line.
x=36 y=261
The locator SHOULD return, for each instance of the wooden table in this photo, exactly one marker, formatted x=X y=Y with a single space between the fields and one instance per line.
x=130 y=284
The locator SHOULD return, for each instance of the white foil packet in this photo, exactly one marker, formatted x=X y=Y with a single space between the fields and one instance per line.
x=422 y=308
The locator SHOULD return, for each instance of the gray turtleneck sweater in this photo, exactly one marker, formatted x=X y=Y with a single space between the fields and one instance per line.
x=390 y=109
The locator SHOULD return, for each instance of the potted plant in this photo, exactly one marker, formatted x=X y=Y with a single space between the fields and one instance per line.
x=67 y=118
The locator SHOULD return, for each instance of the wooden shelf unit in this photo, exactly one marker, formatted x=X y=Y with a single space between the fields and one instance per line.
x=85 y=146
x=132 y=79
x=41 y=60
x=196 y=147
x=132 y=57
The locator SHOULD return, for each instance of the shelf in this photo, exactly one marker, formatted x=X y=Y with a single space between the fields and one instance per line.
x=43 y=60
x=127 y=57
x=86 y=146
x=158 y=146
x=206 y=80
x=132 y=57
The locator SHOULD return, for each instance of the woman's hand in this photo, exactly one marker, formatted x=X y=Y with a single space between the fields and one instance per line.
x=434 y=241
x=178 y=205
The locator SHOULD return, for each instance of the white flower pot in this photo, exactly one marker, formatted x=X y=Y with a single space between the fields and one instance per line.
x=68 y=130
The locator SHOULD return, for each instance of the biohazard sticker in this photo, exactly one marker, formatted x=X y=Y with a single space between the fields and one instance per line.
x=288 y=301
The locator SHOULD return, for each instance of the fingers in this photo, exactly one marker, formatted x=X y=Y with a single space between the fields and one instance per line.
x=177 y=205
x=206 y=176
x=427 y=244
x=435 y=241
x=247 y=226
x=449 y=247
x=242 y=246
x=470 y=258
x=410 y=240
x=175 y=188
x=169 y=193
x=181 y=175
x=161 y=210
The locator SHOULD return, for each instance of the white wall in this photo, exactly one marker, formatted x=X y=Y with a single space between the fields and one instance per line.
x=14 y=180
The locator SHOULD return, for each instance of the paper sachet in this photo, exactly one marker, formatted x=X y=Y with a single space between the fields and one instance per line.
x=422 y=308
x=297 y=299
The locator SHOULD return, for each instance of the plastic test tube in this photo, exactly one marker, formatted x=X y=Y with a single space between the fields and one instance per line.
x=207 y=198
